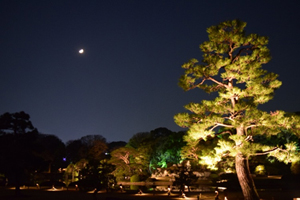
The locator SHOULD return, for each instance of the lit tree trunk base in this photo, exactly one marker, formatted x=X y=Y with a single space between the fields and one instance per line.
x=245 y=179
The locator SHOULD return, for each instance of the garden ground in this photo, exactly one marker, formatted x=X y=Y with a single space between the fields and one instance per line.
x=30 y=194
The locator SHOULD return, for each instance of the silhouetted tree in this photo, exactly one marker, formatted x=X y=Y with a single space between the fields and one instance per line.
x=139 y=139
x=18 y=147
x=72 y=150
x=115 y=145
x=52 y=150
x=90 y=147
x=89 y=159
x=185 y=176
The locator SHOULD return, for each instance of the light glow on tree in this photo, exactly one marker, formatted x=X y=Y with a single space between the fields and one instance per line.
x=232 y=67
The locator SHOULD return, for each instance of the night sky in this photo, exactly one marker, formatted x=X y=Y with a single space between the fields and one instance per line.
x=126 y=80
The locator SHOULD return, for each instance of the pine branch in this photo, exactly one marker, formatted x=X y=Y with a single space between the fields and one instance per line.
x=248 y=138
x=250 y=126
x=217 y=82
x=266 y=152
x=224 y=132
x=241 y=51
x=220 y=124
x=197 y=85
x=271 y=150
x=231 y=50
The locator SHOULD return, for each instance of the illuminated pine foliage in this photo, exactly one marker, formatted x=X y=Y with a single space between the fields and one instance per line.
x=232 y=67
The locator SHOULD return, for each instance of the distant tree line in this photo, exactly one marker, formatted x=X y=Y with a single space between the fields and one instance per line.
x=30 y=157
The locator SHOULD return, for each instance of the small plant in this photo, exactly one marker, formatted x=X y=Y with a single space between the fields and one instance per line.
x=260 y=170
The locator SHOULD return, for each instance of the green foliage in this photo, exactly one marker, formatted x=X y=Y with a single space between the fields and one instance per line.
x=191 y=150
x=260 y=170
x=128 y=161
x=295 y=168
x=232 y=67
x=168 y=149
x=159 y=147
x=144 y=143
x=134 y=178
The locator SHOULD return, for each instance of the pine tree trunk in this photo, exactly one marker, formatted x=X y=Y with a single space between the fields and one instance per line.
x=243 y=173
x=245 y=179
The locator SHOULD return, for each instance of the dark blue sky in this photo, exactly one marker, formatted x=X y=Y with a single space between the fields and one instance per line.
x=126 y=81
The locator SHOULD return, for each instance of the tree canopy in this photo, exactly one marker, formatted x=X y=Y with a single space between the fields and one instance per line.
x=232 y=67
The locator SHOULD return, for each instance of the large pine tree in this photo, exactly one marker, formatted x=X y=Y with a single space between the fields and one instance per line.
x=232 y=66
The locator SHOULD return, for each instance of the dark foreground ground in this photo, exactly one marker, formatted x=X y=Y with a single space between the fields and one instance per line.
x=6 y=194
